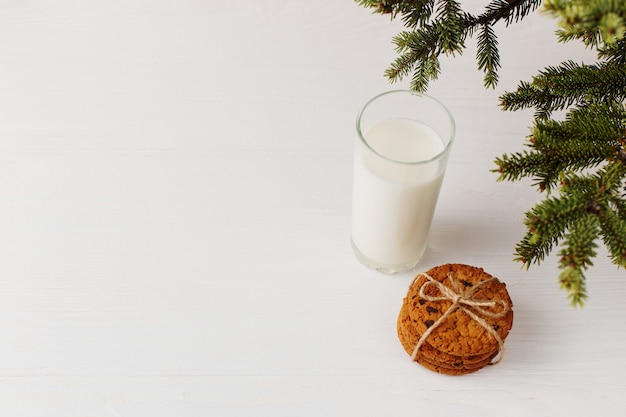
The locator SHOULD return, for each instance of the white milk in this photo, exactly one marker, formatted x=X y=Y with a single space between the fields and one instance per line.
x=393 y=203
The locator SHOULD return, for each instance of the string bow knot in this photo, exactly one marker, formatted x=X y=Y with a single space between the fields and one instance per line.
x=462 y=298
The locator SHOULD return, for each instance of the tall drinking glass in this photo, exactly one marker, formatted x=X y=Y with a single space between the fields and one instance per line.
x=402 y=149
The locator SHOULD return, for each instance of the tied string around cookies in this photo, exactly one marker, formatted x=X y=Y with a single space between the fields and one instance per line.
x=461 y=298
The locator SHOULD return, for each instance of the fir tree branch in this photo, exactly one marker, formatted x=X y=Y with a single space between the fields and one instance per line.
x=487 y=55
x=588 y=137
x=546 y=224
x=546 y=171
x=413 y=12
x=426 y=71
x=449 y=25
x=579 y=250
x=612 y=213
x=417 y=52
x=509 y=11
x=614 y=53
x=593 y=22
x=417 y=12
x=518 y=165
x=613 y=231
x=557 y=88
x=441 y=26
x=573 y=281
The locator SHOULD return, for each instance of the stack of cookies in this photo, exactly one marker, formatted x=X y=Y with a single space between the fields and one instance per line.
x=454 y=319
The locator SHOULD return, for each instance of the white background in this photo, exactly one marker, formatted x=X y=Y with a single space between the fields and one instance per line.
x=175 y=183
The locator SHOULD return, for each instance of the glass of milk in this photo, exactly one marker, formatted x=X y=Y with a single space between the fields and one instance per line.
x=402 y=148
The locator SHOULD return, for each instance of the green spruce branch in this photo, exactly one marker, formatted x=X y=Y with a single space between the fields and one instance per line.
x=442 y=27
x=579 y=162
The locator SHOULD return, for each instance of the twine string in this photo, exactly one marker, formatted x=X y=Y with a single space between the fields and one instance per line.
x=462 y=299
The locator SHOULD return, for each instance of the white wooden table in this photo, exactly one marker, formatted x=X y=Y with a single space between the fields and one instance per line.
x=175 y=183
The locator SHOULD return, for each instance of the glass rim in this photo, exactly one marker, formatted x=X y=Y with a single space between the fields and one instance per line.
x=440 y=155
